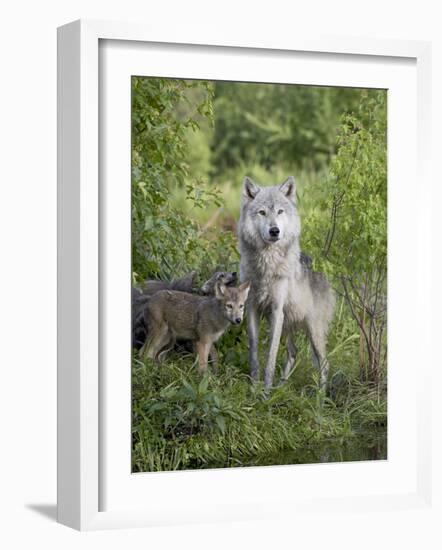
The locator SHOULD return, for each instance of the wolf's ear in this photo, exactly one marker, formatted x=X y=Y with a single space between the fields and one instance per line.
x=244 y=289
x=220 y=290
x=250 y=188
x=205 y=289
x=288 y=188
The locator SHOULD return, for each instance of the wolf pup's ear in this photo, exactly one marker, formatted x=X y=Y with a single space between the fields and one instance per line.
x=244 y=289
x=220 y=290
x=205 y=289
x=288 y=188
x=250 y=189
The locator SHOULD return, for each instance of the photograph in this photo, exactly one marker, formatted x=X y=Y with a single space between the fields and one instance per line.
x=259 y=274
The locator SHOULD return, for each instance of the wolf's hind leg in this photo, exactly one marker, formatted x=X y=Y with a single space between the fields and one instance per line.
x=292 y=351
x=159 y=337
x=166 y=348
x=317 y=341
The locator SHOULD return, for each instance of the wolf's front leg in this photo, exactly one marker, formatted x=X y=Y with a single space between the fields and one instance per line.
x=203 y=349
x=213 y=358
x=277 y=321
x=253 y=332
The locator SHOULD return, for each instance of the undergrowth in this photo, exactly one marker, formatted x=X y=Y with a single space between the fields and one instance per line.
x=182 y=421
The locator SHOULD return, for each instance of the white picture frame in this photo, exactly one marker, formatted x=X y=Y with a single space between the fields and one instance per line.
x=81 y=471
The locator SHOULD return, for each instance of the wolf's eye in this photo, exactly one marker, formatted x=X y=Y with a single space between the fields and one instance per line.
x=262 y=212
x=229 y=306
x=241 y=306
x=280 y=211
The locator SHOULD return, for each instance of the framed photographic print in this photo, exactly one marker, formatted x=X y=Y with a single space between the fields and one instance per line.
x=235 y=283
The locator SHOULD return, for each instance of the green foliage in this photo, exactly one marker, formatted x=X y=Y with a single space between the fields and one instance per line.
x=181 y=421
x=357 y=200
x=165 y=241
x=274 y=124
x=355 y=228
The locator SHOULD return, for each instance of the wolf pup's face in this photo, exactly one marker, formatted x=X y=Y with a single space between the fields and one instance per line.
x=232 y=300
x=269 y=213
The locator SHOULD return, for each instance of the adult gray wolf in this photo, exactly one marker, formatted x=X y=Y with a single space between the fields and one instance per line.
x=172 y=315
x=284 y=289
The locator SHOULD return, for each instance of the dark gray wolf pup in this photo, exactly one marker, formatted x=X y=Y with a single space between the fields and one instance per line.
x=283 y=289
x=185 y=284
x=228 y=278
x=172 y=315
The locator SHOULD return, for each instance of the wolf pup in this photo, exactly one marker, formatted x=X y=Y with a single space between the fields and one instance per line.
x=185 y=284
x=173 y=315
x=228 y=278
x=283 y=287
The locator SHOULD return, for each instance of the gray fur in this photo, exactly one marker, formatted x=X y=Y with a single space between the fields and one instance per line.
x=185 y=284
x=228 y=278
x=173 y=315
x=140 y=297
x=284 y=288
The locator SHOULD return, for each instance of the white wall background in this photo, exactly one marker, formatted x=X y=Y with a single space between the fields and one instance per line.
x=28 y=271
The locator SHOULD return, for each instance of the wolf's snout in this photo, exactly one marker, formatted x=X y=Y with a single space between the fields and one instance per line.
x=238 y=320
x=274 y=231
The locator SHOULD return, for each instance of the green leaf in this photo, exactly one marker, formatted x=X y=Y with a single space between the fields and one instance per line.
x=203 y=385
x=221 y=423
